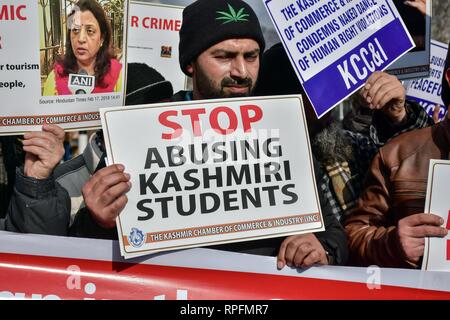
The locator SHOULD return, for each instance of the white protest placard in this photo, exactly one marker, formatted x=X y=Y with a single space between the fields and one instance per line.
x=153 y=39
x=35 y=87
x=415 y=63
x=212 y=171
x=335 y=45
x=437 y=250
x=427 y=91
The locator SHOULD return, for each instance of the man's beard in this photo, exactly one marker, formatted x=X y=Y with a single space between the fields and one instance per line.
x=208 y=89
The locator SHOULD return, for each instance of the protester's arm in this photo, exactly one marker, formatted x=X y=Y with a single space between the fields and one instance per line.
x=333 y=239
x=38 y=206
x=326 y=247
x=397 y=115
x=44 y=151
x=38 y=203
x=105 y=194
x=393 y=113
x=436 y=111
x=412 y=231
x=386 y=93
x=420 y=5
x=105 y=197
x=85 y=226
x=305 y=250
x=373 y=239
x=383 y=129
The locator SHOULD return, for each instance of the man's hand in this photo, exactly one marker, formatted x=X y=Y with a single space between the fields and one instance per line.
x=301 y=251
x=436 y=111
x=420 y=5
x=383 y=91
x=44 y=150
x=413 y=229
x=104 y=194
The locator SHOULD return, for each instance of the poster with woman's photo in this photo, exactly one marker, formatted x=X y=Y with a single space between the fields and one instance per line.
x=60 y=61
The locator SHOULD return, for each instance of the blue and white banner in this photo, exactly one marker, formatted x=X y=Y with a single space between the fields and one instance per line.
x=335 y=45
x=428 y=91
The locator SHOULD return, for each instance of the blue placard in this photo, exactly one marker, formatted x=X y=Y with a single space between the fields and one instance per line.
x=427 y=91
x=335 y=45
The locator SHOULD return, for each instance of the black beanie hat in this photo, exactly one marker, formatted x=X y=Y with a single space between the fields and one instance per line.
x=146 y=85
x=207 y=22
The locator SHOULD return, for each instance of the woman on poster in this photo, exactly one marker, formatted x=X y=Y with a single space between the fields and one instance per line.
x=88 y=52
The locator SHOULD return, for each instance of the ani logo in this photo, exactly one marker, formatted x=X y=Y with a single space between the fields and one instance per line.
x=136 y=237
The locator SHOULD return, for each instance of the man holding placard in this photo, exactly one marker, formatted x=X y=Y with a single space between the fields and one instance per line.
x=222 y=64
x=223 y=60
x=388 y=226
x=48 y=197
x=44 y=151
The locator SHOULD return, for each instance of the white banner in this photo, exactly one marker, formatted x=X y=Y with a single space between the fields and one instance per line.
x=213 y=171
x=47 y=268
x=437 y=250
x=38 y=88
x=153 y=39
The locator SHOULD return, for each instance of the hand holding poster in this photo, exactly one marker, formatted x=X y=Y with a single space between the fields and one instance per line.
x=428 y=91
x=437 y=250
x=209 y=172
x=335 y=45
x=59 y=64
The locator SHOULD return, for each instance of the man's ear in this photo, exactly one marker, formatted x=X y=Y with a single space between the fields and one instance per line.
x=190 y=68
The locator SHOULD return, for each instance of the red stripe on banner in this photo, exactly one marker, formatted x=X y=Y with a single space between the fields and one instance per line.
x=37 y=277
x=448 y=249
x=448 y=220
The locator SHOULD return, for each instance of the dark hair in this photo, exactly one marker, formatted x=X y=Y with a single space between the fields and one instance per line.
x=445 y=95
x=104 y=55
x=146 y=85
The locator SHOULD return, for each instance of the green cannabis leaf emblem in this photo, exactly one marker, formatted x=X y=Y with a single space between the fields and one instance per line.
x=232 y=16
